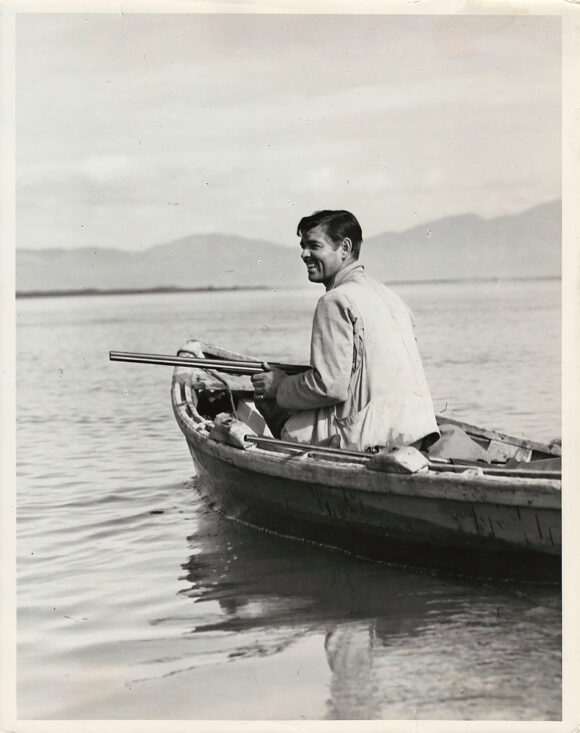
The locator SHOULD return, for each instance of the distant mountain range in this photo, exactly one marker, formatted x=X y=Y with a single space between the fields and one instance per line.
x=456 y=247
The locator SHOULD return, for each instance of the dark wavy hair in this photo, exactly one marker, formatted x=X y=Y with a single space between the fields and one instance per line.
x=337 y=224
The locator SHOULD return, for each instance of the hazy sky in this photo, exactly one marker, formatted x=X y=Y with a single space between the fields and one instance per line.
x=137 y=129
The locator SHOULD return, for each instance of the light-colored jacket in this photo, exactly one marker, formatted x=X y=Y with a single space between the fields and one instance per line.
x=367 y=383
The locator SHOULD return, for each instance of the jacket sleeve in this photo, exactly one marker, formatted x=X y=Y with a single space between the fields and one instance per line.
x=331 y=355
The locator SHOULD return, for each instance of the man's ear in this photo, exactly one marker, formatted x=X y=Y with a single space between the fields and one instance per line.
x=346 y=247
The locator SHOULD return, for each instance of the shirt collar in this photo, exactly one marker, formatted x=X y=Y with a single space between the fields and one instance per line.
x=343 y=274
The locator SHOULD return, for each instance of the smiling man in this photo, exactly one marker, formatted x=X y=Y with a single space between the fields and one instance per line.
x=366 y=385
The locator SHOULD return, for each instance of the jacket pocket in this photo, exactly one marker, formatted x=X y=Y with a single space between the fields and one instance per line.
x=352 y=419
x=357 y=430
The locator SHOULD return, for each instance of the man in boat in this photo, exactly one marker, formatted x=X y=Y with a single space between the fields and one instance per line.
x=366 y=385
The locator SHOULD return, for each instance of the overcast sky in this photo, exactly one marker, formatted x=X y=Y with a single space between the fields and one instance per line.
x=134 y=130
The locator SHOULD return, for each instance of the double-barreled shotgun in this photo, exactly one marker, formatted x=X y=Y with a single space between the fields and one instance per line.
x=232 y=366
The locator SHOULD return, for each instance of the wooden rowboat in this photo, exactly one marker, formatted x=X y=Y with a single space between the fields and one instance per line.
x=503 y=516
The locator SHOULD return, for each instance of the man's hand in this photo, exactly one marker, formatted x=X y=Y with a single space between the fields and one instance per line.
x=266 y=383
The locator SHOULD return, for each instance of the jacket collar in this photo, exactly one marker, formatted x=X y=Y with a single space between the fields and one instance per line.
x=345 y=274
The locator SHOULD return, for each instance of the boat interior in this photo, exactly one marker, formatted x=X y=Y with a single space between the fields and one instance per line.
x=209 y=393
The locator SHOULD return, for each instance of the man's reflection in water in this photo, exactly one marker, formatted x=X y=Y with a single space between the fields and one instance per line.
x=353 y=689
x=354 y=651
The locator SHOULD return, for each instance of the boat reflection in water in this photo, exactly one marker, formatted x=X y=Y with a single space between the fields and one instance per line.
x=398 y=643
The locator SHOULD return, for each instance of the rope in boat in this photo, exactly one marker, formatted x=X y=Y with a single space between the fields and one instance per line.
x=219 y=378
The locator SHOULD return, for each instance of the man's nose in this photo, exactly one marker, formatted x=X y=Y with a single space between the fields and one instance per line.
x=305 y=253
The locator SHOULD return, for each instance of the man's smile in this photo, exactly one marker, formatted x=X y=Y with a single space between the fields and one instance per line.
x=323 y=257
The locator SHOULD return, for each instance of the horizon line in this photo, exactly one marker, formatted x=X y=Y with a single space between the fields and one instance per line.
x=168 y=289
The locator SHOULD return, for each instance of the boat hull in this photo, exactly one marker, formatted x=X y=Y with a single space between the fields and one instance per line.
x=468 y=536
x=506 y=521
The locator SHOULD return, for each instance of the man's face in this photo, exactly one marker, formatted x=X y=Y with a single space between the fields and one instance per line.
x=321 y=256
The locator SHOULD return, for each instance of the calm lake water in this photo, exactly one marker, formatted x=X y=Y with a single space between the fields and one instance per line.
x=136 y=601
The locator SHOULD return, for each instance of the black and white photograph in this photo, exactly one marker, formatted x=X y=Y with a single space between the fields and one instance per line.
x=290 y=299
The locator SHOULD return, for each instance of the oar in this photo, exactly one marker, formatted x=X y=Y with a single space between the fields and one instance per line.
x=235 y=366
